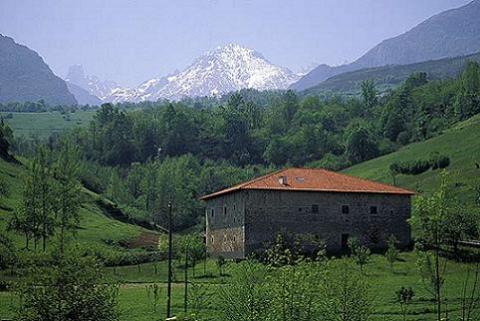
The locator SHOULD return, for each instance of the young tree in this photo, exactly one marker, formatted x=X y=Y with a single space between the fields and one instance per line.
x=470 y=298
x=346 y=294
x=392 y=252
x=295 y=292
x=221 y=264
x=404 y=296
x=246 y=296
x=22 y=223
x=369 y=94
x=428 y=222
x=68 y=192
x=42 y=174
x=360 y=253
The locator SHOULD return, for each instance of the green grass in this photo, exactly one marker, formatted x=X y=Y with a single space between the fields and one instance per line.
x=145 y=273
x=42 y=125
x=134 y=303
x=461 y=143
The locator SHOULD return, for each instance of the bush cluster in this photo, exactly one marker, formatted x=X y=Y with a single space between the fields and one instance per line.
x=416 y=167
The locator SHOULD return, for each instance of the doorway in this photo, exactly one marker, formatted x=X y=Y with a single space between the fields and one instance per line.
x=345 y=238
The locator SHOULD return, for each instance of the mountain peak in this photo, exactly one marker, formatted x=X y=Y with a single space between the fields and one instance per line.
x=225 y=69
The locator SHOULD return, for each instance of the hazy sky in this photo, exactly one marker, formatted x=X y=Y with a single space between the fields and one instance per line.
x=130 y=41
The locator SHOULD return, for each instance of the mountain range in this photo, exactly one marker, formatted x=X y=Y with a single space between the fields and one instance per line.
x=454 y=33
x=451 y=33
x=223 y=70
x=24 y=76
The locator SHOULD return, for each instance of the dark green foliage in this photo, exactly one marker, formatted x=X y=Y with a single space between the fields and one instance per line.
x=361 y=145
x=6 y=139
x=8 y=252
x=438 y=161
x=468 y=100
x=70 y=290
x=416 y=167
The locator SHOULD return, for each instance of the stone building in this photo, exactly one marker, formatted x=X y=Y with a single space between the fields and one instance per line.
x=333 y=207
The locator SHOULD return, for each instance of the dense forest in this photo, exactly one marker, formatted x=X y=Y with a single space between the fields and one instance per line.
x=143 y=155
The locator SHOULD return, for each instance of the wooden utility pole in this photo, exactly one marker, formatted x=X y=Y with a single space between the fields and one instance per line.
x=169 y=283
x=185 y=295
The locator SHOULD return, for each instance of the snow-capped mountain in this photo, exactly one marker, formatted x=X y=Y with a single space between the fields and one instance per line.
x=218 y=72
x=96 y=87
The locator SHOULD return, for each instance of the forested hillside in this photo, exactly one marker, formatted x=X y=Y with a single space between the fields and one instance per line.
x=143 y=156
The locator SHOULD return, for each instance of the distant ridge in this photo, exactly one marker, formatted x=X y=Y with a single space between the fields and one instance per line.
x=393 y=75
x=24 y=76
x=451 y=33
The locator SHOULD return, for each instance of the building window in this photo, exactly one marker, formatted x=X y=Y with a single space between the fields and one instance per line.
x=345 y=209
x=211 y=239
x=315 y=208
x=234 y=219
x=299 y=209
x=234 y=207
x=212 y=212
x=373 y=210
x=234 y=238
x=225 y=210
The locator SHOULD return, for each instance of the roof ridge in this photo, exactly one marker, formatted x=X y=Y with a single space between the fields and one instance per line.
x=254 y=180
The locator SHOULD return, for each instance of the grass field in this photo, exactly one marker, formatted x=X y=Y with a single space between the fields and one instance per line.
x=43 y=125
x=461 y=143
x=135 y=305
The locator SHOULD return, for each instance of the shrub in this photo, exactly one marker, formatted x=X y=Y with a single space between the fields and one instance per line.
x=70 y=290
x=404 y=138
x=439 y=161
x=411 y=167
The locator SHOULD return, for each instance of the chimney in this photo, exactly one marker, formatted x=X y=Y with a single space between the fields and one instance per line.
x=283 y=180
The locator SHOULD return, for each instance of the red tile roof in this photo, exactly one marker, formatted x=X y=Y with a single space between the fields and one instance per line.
x=313 y=180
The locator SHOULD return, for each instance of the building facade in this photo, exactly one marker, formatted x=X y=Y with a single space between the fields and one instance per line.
x=333 y=207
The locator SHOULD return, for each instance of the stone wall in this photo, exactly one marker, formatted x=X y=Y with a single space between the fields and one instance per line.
x=225 y=233
x=271 y=212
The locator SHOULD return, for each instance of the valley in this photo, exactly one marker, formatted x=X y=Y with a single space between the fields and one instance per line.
x=206 y=182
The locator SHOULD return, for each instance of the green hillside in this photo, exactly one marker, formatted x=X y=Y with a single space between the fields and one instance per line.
x=461 y=143
x=391 y=76
x=96 y=230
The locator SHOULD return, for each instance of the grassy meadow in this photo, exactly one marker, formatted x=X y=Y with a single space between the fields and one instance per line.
x=136 y=305
x=42 y=125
